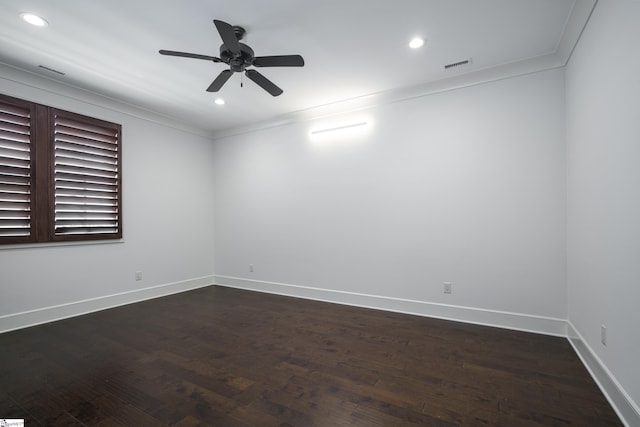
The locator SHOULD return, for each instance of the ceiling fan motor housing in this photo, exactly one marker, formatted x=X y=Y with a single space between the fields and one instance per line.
x=240 y=61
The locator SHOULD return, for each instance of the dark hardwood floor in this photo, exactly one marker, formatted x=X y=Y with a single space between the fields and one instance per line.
x=224 y=357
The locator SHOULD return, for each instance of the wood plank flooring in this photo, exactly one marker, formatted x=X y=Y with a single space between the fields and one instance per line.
x=225 y=357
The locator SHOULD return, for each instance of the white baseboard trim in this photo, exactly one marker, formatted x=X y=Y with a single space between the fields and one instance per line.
x=501 y=319
x=25 y=319
x=625 y=407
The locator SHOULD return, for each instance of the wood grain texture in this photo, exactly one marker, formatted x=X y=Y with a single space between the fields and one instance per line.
x=224 y=357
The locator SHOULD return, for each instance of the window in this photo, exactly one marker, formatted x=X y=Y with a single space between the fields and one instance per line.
x=60 y=175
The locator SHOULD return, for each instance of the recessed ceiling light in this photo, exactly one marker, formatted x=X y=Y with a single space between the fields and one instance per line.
x=416 y=43
x=34 y=19
x=219 y=101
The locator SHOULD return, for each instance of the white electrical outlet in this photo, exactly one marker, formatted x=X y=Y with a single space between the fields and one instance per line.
x=250 y=268
x=603 y=335
x=447 y=287
x=138 y=276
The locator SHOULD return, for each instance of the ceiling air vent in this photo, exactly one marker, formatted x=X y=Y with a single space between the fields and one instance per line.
x=457 y=64
x=51 y=69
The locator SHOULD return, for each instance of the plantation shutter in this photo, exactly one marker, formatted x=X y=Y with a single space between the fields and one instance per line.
x=87 y=181
x=15 y=170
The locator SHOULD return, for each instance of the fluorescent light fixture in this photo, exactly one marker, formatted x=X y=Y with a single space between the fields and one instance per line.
x=219 y=101
x=416 y=43
x=349 y=126
x=34 y=19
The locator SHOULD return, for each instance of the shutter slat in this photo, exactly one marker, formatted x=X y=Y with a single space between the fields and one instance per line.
x=84 y=223
x=109 y=195
x=84 y=148
x=11 y=163
x=14 y=223
x=99 y=216
x=93 y=133
x=13 y=188
x=86 y=230
x=15 y=232
x=66 y=159
x=85 y=173
x=81 y=127
x=12 y=214
x=13 y=110
x=11 y=153
x=14 y=197
x=61 y=200
x=15 y=145
x=7 y=135
x=16 y=128
x=15 y=206
x=71 y=208
x=13 y=171
x=15 y=179
x=64 y=178
x=21 y=119
x=94 y=143
x=111 y=159
x=81 y=185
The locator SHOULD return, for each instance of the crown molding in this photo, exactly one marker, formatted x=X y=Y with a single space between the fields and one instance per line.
x=573 y=28
x=458 y=81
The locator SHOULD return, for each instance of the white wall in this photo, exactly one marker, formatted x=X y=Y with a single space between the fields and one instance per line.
x=603 y=137
x=168 y=210
x=465 y=186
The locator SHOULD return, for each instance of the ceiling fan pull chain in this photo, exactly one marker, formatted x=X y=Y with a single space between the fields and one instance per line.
x=241 y=80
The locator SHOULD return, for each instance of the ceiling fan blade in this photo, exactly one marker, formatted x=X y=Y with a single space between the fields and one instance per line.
x=222 y=78
x=263 y=82
x=228 y=36
x=189 y=55
x=279 y=61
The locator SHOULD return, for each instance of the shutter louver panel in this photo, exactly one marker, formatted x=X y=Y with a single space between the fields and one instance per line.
x=15 y=171
x=86 y=176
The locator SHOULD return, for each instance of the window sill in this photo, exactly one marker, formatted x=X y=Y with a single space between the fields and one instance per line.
x=12 y=246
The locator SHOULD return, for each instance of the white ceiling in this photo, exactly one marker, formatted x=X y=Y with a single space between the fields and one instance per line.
x=352 y=48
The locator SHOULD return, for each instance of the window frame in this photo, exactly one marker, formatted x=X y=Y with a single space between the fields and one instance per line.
x=42 y=175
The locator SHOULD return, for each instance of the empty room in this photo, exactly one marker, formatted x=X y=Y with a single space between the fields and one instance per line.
x=305 y=213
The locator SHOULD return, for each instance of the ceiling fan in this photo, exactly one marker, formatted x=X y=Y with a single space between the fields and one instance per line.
x=239 y=56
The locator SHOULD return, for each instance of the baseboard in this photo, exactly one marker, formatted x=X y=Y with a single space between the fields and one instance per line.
x=625 y=407
x=501 y=319
x=49 y=314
